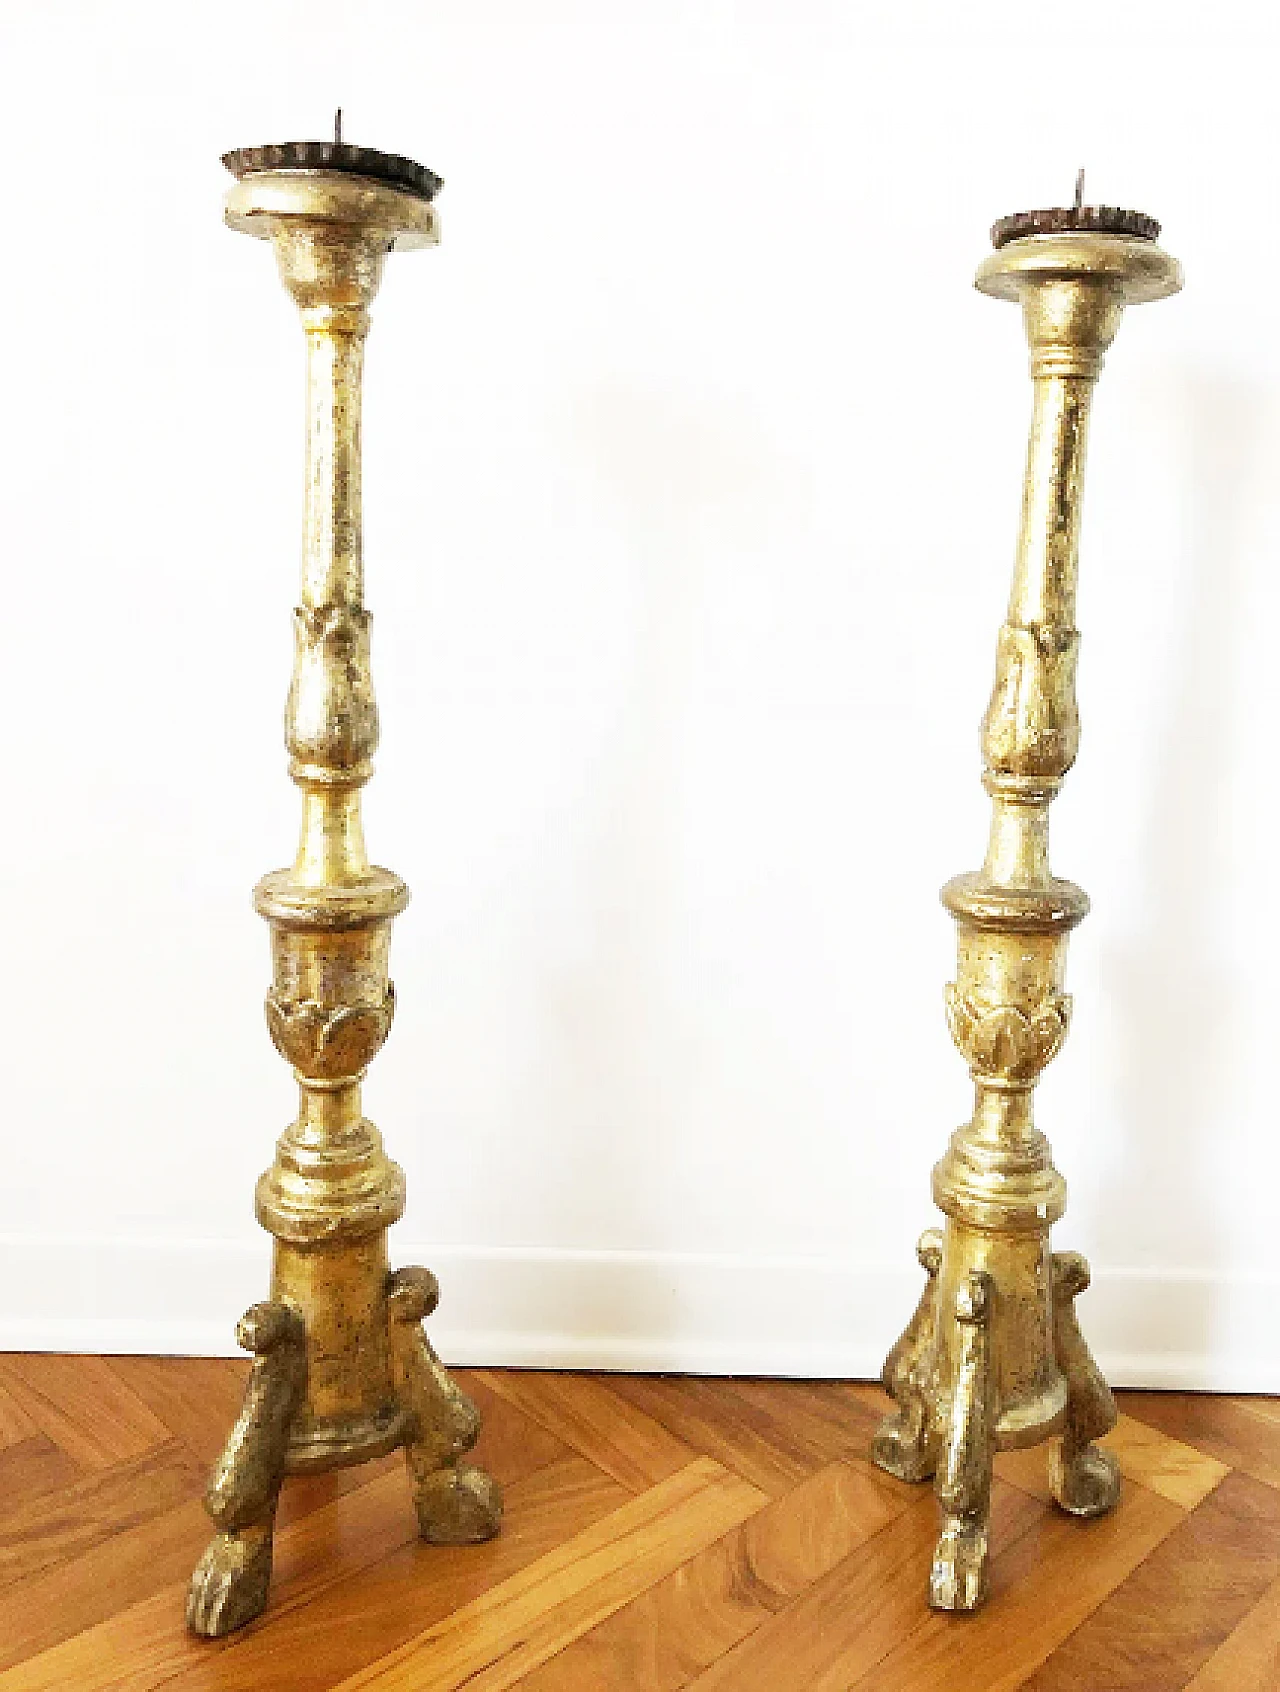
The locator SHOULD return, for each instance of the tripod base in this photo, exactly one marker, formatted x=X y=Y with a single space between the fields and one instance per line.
x=456 y=1503
x=948 y=1421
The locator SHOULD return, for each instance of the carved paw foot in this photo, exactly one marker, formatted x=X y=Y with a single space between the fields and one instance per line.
x=229 y=1586
x=1083 y=1479
x=458 y=1506
x=902 y=1447
x=1086 y=1484
x=958 y=1578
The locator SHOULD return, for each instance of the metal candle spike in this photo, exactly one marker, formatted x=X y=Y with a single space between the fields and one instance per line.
x=342 y=1369
x=993 y=1357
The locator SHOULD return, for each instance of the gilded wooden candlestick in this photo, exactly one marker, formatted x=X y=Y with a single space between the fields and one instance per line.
x=993 y=1356
x=342 y=1368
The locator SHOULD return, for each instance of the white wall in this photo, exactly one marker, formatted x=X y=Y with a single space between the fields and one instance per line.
x=693 y=465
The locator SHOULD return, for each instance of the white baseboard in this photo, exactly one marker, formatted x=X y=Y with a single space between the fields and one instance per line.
x=646 y=1311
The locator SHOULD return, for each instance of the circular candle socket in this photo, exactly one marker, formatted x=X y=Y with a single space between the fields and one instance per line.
x=1071 y=220
x=391 y=168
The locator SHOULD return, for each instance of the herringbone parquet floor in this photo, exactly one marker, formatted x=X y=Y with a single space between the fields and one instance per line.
x=661 y=1533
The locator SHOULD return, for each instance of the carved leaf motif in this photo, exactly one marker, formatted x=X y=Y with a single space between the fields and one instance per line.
x=1032 y=726
x=1004 y=1042
x=328 y=1044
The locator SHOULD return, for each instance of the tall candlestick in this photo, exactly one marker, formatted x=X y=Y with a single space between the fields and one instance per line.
x=342 y=1370
x=993 y=1357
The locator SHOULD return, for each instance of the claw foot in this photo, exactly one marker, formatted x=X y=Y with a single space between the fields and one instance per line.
x=958 y=1578
x=1084 y=1479
x=229 y=1586
x=457 y=1504
x=460 y=1505
x=1086 y=1484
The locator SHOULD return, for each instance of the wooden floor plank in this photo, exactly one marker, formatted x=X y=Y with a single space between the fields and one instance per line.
x=32 y=1469
x=67 y=1597
x=361 y=1614
x=513 y=1440
x=1248 y=1660
x=79 y=1404
x=1181 y=1602
x=834 y=1415
x=856 y=1613
x=302 y=1495
x=1027 y=1468
x=662 y=1639
x=816 y=1583
x=819 y=1523
x=1042 y=1587
x=862 y=1404
x=490 y=1643
x=756 y=1442
x=1242 y=1432
x=1146 y=1456
x=15 y=1424
x=94 y=1509
x=197 y=1398
x=584 y=1412
x=146 y=1646
x=1175 y=1470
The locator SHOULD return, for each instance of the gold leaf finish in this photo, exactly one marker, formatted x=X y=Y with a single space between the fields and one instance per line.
x=343 y=1370
x=329 y=1044
x=1005 y=1043
x=993 y=1356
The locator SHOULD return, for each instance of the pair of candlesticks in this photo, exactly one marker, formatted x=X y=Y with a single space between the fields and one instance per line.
x=342 y=1370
